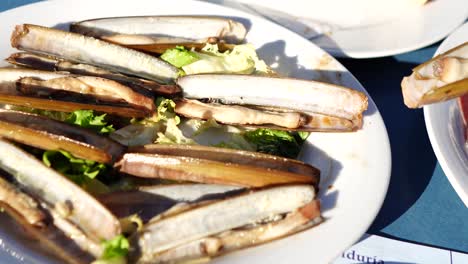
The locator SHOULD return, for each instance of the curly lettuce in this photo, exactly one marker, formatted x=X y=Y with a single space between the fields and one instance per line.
x=88 y=119
x=276 y=142
x=179 y=56
x=242 y=59
x=82 y=172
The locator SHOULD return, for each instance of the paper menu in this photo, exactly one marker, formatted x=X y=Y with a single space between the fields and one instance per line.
x=379 y=250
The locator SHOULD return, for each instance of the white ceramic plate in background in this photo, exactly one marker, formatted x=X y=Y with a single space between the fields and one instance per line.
x=444 y=127
x=357 y=164
x=363 y=29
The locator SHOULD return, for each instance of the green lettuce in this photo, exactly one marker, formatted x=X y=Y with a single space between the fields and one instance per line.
x=82 y=172
x=116 y=247
x=161 y=128
x=242 y=59
x=87 y=119
x=179 y=56
x=166 y=110
x=276 y=142
x=115 y=251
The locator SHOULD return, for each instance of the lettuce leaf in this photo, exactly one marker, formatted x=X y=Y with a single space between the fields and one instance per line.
x=116 y=247
x=173 y=135
x=276 y=142
x=166 y=110
x=87 y=119
x=242 y=59
x=179 y=56
x=82 y=172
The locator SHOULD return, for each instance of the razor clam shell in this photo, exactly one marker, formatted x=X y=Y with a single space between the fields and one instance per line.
x=79 y=48
x=143 y=86
x=149 y=201
x=195 y=28
x=45 y=133
x=58 y=192
x=231 y=240
x=233 y=156
x=294 y=94
x=426 y=84
x=205 y=171
x=216 y=217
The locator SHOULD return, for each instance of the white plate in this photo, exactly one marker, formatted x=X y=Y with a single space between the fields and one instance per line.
x=444 y=127
x=360 y=169
x=358 y=31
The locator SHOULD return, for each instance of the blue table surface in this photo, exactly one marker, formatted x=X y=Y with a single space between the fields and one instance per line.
x=421 y=206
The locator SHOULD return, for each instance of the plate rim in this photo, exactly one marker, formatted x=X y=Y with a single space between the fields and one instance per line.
x=429 y=112
x=386 y=144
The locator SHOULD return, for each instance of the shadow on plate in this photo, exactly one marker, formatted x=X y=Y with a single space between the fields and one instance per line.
x=413 y=160
x=329 y=170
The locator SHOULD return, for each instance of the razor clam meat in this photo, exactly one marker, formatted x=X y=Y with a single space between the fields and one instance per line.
x=267 y=117
x=45 y=133
x=442 y=78
x=177 y=229
x=31 y=60
x=293 y=94
x=79 y=48
x=72 y=202
x=237 y=114
x=162 y=29
x=21 y=203
x=100 y=88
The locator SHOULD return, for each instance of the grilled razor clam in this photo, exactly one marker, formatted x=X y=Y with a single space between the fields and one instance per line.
x=149 y=201
x=21 y=203
x=240 y=238
x=28 y=208
x=216 y=217
x=442 y=78
x=74 y=233
x=31 y=60
x=154 y=29
x=13 y=88
x=100 y=88
x=181 y=168
x=293 y=94
x=232 y=156
x=72 y=202
x=50 y=238
x=45 y=133
x=79 y=48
